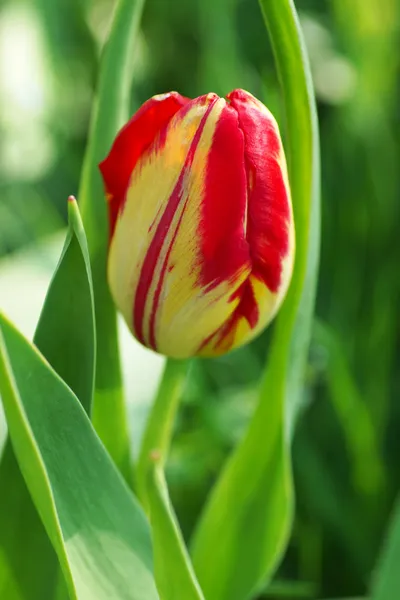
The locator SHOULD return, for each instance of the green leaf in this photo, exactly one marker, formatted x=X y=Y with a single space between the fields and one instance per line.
x=246 y=524
x=386 y=583
x=66 y=336
x=66 y=333
x=174 y=572
x=28 y=563
x=246 y=521
x=109 y=113
x=97 y=528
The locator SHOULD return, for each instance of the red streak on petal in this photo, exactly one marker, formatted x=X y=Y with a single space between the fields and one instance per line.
x=224 y=337
x=130 y=144
x=268 y=197
x=248 y=307
x=156 y=301
x=224 y=249
x=153 y=252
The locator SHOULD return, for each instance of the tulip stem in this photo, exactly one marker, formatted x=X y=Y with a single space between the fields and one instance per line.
x=158 y=431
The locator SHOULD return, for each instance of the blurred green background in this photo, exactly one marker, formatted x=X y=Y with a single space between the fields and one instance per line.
x=347 y=443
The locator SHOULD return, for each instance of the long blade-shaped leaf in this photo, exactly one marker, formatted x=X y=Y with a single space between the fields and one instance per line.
x=246 y=523
x=98 y=530
x=28 y=563
x=66 y=336
x=66 y=333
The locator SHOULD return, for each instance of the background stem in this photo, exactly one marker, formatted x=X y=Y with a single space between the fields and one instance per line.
x=110 y=110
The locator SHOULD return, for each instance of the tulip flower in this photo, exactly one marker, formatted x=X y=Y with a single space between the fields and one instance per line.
x=201 y=228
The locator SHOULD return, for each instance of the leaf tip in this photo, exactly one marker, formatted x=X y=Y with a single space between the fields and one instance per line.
x=74 y=217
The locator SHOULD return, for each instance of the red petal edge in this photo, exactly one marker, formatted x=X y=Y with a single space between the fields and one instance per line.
x=268 y=197
x=131 y=142
x=224 y=249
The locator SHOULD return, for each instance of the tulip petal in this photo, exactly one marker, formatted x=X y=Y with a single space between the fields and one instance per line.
x=269 y=228
x=269 y=212
x=134 y=139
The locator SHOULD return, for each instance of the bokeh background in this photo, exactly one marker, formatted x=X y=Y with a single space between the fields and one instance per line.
x=347 y=444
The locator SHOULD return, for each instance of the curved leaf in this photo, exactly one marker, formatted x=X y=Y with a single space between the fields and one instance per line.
x=66 y=331
x=246 y=523
x=97 y=528
x=66 y=336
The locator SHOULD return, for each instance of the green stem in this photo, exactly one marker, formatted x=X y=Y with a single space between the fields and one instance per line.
x=157 y=435
x=110 y=111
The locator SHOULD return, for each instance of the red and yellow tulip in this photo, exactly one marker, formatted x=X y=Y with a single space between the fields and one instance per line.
x=201 y=228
